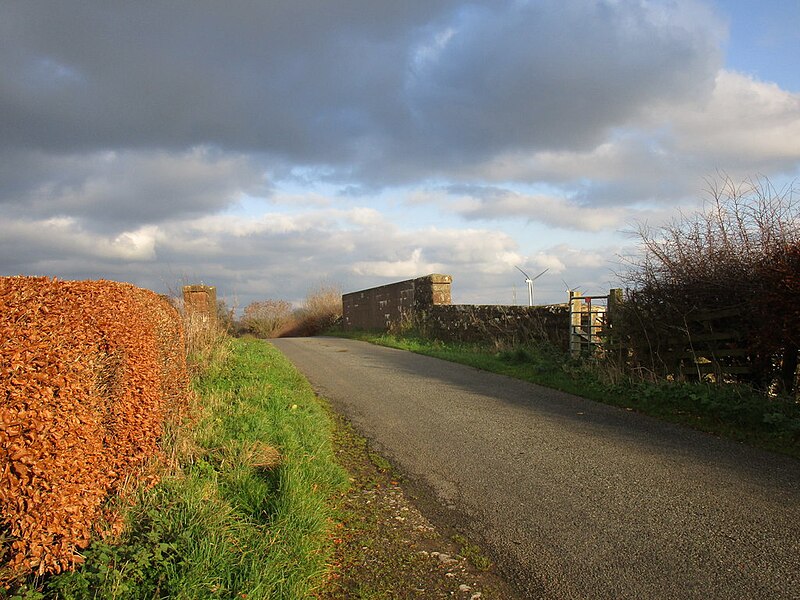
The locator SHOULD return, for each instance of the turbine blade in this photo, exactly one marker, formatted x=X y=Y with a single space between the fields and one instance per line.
x=523 y=272
x=542 y=273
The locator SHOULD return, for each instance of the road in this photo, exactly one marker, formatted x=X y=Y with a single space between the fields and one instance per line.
x=573 y=499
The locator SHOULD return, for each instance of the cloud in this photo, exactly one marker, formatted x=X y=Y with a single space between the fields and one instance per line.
x=27 y=243
x=403 y=269
x=263 y=145
x=116 y=190
x=295 y=78
x=272 y=255
x=745 y=124
x=570 y=211
x=558 y=75
x=495 y=203
x=368 y=90
x=743 y=127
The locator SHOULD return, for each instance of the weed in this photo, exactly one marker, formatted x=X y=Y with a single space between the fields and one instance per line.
x=321 y=309
x=473 y=553
x=207 y=344
x=383 y=465
x=516 y=356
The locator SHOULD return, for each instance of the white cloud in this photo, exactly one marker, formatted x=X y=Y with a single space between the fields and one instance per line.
x=408 y=268
x=547 y=260
x=494 y=203
x=366 y=217
x=745 y=124
x=555 y=212
x=115 y=190
x=743 y=128
x=136 y=245
x=63 y=238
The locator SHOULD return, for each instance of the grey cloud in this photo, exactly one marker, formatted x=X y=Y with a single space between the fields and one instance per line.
x=558 y=75
x=482 y=192
x=352 y=85
x=283 y=77
x=123 y=190
x=122 y=124
x=591 y=208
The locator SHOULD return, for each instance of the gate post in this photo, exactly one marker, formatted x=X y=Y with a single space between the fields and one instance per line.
x=575 y=307
x=612 y=318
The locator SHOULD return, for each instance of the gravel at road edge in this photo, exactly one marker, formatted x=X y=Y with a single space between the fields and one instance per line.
x=386 y=548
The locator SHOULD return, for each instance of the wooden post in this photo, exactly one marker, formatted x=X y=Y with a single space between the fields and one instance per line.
x=612 y=316
x=575 y=309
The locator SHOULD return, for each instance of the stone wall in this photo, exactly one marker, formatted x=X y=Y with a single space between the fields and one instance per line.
x=379 y=307
x=497 y=324
x=424 y=304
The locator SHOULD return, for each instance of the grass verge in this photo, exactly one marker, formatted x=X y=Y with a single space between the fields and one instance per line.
x=246 y=512
x=731 y=411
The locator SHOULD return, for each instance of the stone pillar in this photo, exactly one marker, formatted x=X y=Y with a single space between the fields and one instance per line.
x=432 y=290
x=201 y=301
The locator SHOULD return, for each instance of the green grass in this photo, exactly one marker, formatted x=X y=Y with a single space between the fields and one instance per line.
x=227 y=523
x=732 y=411
x=473 y=553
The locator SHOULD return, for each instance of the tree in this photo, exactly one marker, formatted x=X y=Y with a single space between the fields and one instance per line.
x=267 y=318
x=225 y=316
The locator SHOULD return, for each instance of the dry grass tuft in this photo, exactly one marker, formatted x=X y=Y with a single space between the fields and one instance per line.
x=207 y=343
x=261 y=456
x=321 y=309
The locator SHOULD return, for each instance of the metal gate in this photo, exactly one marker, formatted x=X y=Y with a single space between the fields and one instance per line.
x=587 y=323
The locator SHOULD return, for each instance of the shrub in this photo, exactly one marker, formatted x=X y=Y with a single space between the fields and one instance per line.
x=267 y=318
x=90 y=372
x=321 y=309
x=226 y=316
x=207 y=343
x=742 y=250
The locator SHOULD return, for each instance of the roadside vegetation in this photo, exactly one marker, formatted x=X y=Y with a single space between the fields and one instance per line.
x=738 y=412
x=244 y=509
x=264 y=492
x=321 y=308
x=738 y=257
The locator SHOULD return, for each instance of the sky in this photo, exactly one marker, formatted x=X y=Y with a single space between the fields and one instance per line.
x=270 y=147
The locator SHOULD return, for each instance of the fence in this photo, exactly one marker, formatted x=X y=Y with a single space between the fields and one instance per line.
x=710 y=344
x=727 y=343
x=495 y=324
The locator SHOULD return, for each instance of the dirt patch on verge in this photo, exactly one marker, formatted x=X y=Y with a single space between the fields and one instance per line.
x=386 y=548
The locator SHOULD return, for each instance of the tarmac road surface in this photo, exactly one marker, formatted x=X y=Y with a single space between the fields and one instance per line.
x=572 y=498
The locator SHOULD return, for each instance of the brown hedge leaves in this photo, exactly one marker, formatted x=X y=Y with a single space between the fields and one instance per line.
x=89 y=371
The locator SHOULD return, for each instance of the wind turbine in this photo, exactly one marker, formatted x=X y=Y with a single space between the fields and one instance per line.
x=530 y=281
